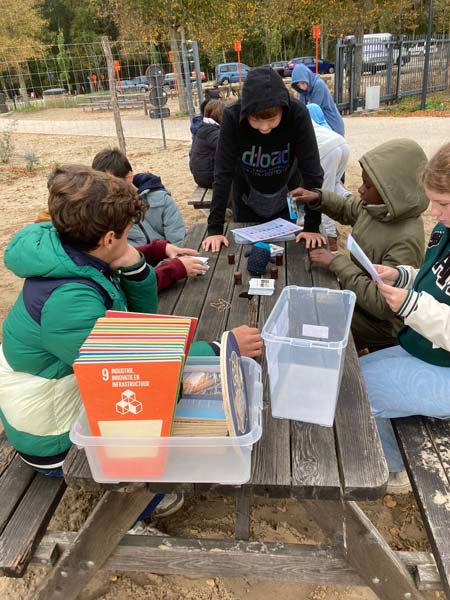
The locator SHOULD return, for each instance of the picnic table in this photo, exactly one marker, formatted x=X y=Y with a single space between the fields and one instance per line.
x=327 y=469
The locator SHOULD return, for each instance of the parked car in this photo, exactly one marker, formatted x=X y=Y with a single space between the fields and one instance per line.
x=137 y=84
x=169 y=80
x=229 y=73
x=325 y=66
x=54 y=92
x=280 y=66
x=419 y=49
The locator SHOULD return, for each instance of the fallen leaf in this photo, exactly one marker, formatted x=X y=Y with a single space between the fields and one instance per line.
x=389 y=501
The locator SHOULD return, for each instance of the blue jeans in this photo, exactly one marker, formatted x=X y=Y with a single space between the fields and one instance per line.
x=400 y=385
x=58 y=472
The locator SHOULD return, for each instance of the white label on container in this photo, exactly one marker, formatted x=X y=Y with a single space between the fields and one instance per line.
x=317 y=331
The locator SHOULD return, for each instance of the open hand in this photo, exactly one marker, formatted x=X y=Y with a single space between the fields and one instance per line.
x=312 y=240
x=249 y=340
x=214 y=242
x=393 y=296
x=321 y=256
x=172 y=251
x=193 y=266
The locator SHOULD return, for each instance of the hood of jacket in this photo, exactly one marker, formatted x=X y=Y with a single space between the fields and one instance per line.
x=263 y=88
x=147 y=182
x=393 y=168
x=316 y=114
x=36 y=251
x=301 y=73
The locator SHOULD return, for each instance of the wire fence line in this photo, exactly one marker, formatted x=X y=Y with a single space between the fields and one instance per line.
x=76 y=76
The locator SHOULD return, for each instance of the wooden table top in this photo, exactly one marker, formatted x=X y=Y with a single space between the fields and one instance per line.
x=292 y=459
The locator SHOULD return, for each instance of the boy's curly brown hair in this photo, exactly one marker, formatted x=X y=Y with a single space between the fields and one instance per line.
x=436 y=173
x=84 y=204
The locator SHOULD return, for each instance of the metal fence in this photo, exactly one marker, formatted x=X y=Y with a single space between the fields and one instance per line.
x=387 y=68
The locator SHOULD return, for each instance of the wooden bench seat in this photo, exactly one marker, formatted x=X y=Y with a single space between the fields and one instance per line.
x=27 y=503
x=425 y=446
x=201 y=198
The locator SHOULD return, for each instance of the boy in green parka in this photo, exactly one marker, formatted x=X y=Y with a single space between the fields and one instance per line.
x=75 y=268
x=387 y=224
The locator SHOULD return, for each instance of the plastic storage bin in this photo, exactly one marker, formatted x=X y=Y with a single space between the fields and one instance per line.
x=224 y=460
x=305 y=336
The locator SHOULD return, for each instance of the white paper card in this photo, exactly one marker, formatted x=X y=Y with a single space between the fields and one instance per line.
x=361 y=257
x=317 y=331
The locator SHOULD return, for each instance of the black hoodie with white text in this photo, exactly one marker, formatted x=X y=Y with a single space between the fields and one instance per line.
x=265 y=161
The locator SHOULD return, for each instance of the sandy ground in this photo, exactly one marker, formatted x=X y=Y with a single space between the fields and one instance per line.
x=24 y=193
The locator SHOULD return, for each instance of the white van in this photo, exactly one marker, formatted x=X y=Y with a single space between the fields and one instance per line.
x=375 y=51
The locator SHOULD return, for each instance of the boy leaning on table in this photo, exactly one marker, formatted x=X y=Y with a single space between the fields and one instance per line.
x=74 y=268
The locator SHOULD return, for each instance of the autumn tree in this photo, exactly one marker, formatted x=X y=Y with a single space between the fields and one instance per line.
x=20 y=29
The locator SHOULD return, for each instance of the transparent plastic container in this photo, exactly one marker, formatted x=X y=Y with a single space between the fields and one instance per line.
x=224 y=460
x=306 y=336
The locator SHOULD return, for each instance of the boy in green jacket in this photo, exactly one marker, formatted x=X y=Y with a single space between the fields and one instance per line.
x=387 y=224
x=75 y=268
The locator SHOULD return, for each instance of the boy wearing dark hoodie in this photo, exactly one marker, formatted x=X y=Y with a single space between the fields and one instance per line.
x=266 y=149
x=387 y=224
x=162 y=218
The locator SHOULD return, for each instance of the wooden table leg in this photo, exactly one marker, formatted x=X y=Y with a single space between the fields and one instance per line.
x=94 y=543
x=242 y=527
x=364 y=549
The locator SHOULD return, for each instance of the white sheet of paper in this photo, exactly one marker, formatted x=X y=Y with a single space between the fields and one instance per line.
x=361 y=257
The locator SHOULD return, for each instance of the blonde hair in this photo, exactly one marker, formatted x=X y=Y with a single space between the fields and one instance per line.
x=436 y=174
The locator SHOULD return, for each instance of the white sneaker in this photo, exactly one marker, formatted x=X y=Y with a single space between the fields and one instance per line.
x=398 y=483
x=141 y=528
x=168 y=505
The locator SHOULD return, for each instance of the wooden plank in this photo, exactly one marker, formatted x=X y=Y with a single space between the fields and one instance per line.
x=29 y=522
x=309 y=563
x=365 y=549
x=7 y=452
x=167 y=299
x=315 y=471
x=363 y=468
x=430 y=483
x=427 y=578
x=13 y=485
x=242 y=527
x=271 y=462
x=214 y=317
x=197 y=195
x=94 y=543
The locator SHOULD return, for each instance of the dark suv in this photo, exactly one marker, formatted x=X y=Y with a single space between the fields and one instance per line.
x=325 y=66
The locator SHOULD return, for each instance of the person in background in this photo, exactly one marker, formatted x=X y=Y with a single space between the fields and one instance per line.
x=334 y=154
x=163 y=220
x=413 y=378
x=204 y=146
x=266 y=148
x=386 y=222
x=74 y=267
x=182 y=261
x=311 y=88
x=210 y=94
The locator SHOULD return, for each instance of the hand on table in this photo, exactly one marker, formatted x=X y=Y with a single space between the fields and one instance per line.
x=312 y=239
x=214 y=242
x=193 y=266
x=173 y=251
x=249 y=340
x=321 y=256
x=393 y=296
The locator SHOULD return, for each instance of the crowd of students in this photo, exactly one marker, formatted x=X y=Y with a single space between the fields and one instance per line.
x=111 y=238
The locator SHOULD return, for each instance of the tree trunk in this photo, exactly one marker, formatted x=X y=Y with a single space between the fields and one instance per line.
x=175 y=45
x=22 y=85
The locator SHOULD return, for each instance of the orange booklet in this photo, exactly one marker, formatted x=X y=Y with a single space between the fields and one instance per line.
x=129 y=372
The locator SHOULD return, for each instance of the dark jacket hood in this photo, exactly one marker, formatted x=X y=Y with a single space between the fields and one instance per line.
x=393 y=168
x=147 y=182
x=263 y=88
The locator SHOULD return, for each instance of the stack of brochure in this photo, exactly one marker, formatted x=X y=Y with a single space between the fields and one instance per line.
x=261 y=287
x=275 y=230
